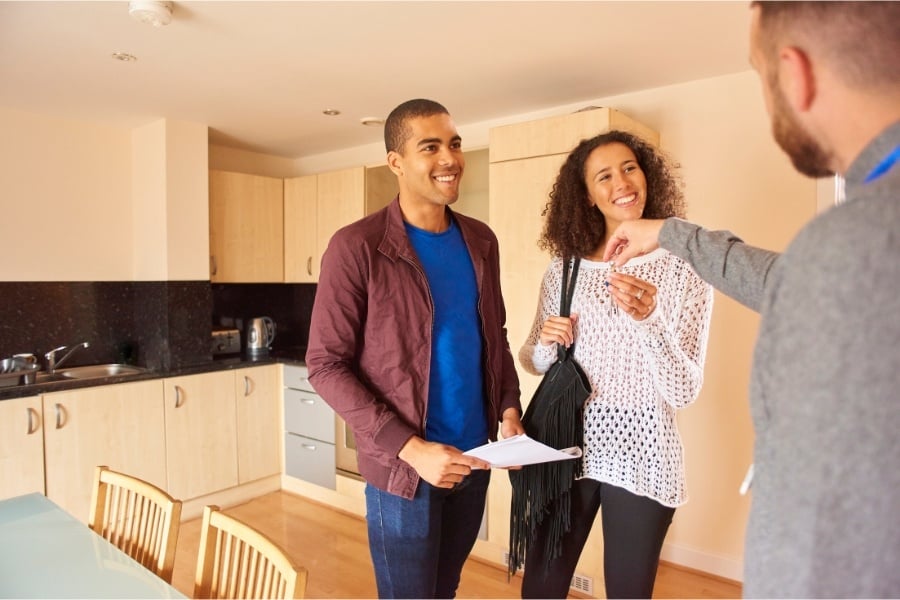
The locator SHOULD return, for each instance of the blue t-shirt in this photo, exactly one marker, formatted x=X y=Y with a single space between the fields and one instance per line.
x=456 y=405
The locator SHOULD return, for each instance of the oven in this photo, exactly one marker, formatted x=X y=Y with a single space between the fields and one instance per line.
x=345 y=449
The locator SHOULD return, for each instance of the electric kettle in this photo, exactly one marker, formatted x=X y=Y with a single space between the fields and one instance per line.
x=259 y=335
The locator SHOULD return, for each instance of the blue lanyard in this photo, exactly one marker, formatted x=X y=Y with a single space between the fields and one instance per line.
x=884 y=166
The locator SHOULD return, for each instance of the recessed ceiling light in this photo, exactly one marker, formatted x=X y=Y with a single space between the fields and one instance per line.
x=152 y=13
x=331 y=112
x=124 y=56
x=372 y=121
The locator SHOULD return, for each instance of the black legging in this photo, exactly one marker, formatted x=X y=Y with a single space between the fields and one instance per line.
x=634 y=528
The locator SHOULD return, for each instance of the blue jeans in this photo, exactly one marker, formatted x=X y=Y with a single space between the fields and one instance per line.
x=419 y=546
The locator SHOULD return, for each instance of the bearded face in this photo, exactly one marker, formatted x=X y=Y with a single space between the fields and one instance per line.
x=805 y=153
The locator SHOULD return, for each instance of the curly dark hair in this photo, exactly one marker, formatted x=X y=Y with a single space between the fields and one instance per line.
x=397 y=129
x=574 y=226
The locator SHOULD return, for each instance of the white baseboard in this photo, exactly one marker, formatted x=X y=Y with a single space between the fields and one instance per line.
x=692 y=558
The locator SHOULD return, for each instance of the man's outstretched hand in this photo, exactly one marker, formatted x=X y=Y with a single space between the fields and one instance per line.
x=633 y=238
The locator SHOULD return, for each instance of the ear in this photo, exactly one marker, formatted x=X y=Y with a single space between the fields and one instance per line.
x=797 y=79
x=393 y=162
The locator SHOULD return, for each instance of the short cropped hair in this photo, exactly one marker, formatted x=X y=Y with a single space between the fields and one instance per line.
x=856 y=39
x=396 y=128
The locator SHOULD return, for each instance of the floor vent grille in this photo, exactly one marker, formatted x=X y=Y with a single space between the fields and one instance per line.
x=583 y=584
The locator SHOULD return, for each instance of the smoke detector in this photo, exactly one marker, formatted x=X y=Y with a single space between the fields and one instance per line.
x=152 y=13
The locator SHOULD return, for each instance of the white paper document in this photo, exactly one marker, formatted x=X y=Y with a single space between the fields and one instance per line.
x=520 y=450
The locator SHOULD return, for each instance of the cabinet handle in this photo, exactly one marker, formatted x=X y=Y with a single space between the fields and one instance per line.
x=213 y=267
x=309 y=265
x=308 y=446
x=307 y=401
x=179 y=396
x=34 y=421
x=62 y=417
x=248 y=386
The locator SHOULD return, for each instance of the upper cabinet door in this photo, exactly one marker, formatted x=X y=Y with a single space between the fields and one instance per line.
x=341 y=201
x=301 y=252
x=246 y=228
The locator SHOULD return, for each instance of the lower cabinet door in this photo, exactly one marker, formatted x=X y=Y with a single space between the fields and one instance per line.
x=309 y=460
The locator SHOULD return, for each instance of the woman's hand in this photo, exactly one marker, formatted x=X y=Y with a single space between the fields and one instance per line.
x=559 y=330
x=635 y=296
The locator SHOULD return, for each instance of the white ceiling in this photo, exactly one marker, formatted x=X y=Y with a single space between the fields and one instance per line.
x=259 y=74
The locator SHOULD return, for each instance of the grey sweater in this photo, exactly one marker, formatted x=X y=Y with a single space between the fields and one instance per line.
x=824 y=391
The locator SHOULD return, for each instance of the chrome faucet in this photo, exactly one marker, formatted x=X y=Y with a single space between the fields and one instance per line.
x=53 y=363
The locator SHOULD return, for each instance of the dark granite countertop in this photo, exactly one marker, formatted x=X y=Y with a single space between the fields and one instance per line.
x=220 y=363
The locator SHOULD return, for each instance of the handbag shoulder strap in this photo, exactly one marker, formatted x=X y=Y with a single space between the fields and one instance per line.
x=567 y=291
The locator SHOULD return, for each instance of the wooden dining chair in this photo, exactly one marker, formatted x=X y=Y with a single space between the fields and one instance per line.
x=237 y=561
x=138 y=518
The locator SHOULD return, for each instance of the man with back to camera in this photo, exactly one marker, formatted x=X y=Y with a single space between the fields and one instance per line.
x=826 y=369
x=408 y=344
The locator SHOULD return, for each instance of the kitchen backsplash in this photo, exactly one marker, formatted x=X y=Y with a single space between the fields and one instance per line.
x=289 y=305
x=156 y=324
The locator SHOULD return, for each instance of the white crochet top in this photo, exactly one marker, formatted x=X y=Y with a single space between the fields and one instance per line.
x=640 y=371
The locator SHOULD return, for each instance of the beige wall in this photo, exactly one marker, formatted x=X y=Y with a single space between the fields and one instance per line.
x=85 y=202
x=65 y=199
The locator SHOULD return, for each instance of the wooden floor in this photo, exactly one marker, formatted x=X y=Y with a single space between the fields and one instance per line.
x=333 y=546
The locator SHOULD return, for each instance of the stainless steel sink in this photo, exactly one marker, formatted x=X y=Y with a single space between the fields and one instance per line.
x=98 y=371
x=42 y=377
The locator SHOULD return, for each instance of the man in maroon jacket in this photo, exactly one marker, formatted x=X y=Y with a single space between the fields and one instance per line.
x=408 y=344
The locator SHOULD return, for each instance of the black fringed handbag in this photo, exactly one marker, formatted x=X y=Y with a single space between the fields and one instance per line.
x=553 y=417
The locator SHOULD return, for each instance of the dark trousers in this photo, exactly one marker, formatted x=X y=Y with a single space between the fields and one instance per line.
x=634 y=528
x=419 y=546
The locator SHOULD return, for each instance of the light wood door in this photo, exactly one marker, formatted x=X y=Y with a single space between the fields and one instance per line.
x=301 y=253
x=341 y=201
x=120 y=426
x=201 y=437
x=258 y=398
x=246 y=228
x=21 y=447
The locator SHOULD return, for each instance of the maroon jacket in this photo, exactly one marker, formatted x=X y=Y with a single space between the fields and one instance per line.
x=369 y=351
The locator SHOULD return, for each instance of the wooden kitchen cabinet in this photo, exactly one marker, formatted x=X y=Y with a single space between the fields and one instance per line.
x=121 y=426
x=301 y=246
x=257 y=393
x=201 y=434
x=21 y=447
x=315 y=207
x=246 y=228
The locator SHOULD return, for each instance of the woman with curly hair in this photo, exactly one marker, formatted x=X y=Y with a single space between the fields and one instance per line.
x=640 y=334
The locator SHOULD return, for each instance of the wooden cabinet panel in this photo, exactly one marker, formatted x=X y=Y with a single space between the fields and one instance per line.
x=558 y=135
x=257 y=395
x=246 y=228
x=301 y=252
x=315 y=206
x=341 y=201
x=120 y=426
x=201 y=437
x=21 y=447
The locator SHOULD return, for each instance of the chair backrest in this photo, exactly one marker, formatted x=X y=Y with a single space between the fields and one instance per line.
x=138 y=518
x=237 y=561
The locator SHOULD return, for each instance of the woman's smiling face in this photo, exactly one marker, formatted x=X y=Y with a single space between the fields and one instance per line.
x=615 y=183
